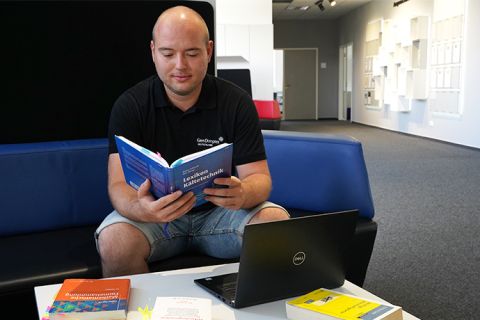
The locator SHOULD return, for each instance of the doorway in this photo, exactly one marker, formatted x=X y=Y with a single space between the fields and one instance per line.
x=300 y=81
x=345 y=82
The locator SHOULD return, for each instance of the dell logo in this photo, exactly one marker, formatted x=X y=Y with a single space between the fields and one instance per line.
x=299 y=258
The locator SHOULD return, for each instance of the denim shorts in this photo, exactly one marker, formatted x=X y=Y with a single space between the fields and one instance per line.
x=217 y=232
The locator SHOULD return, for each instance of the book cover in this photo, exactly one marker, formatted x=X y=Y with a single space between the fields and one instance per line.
x=193 y=172
x=182 y=308
x=324 y=304
x=91 y=299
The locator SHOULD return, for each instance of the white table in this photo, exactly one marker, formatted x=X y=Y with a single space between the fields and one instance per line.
x=146 y=287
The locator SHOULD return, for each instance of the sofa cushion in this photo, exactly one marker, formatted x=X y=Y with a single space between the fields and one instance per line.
x=48 y=257
x=52 y=256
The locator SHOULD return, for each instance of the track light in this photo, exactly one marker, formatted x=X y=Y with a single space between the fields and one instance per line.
x=397 y=3
x=332 y=2
x=319 y=3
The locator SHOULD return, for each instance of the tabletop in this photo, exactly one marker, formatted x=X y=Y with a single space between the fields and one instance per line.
x=146 y=287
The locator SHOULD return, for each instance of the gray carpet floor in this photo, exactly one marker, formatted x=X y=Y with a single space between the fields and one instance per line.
x=427 y=201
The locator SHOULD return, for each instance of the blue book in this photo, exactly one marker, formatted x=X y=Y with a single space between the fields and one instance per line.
x=193 y=172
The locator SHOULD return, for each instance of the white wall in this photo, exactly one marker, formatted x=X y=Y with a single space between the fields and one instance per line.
x=278 y=71
x=244 y=12
x=463 y=129
x=244 y=28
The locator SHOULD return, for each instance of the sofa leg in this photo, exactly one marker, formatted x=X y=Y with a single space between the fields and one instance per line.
x=360 y=251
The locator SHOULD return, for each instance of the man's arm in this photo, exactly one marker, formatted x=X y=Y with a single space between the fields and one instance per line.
x=251 y=188
x=141 y=205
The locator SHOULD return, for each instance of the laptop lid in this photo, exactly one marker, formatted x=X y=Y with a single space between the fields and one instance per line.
x=287 y=258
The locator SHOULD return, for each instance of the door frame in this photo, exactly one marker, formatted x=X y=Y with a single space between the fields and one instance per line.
x=342 y=69
x=316 y=76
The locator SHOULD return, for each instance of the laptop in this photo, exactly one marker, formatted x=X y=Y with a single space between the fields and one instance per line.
x=287 y=258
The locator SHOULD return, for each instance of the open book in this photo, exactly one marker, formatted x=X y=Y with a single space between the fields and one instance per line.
x=193 y=172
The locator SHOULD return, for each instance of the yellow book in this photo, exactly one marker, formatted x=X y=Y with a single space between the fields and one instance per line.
x=324 y=304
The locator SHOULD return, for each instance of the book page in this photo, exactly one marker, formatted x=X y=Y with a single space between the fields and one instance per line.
x=198 y=154
x=182 y=308
x=152 y=155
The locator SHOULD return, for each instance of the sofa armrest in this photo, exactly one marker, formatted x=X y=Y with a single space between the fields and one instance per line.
x=357 y=257
x=318 y=172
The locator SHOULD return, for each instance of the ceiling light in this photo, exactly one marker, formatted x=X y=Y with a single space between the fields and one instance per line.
x=397 y=3
x=302 y=8
x=332 y=2
x=319 y=4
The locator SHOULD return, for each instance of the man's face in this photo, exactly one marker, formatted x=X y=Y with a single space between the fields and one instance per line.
x=181 y=55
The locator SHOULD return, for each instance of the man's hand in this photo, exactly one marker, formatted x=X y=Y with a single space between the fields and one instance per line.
x=251 y=188
x=231 y=197
x=140 y=205
x=164 y=209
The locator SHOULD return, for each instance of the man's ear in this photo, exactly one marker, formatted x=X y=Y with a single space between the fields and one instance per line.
x=210 y=49
x=152 y=49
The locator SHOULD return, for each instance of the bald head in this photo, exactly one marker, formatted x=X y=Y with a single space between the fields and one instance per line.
x=178 y=17
x=181 y=51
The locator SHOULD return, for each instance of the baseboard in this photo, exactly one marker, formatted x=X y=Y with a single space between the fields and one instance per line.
x=418 y=136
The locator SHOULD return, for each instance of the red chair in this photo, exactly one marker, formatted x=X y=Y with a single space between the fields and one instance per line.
x=269 y=114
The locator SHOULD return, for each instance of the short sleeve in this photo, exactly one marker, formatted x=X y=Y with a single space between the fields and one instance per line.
x=124 y=121
x=248 y=145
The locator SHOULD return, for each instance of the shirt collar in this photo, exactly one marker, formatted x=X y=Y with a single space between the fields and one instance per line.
x=206 y=100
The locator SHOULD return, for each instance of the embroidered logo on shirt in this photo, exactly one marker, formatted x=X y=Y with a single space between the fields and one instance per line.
x=205 y=142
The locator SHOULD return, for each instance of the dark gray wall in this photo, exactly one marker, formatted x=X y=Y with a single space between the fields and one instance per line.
x=321 y=34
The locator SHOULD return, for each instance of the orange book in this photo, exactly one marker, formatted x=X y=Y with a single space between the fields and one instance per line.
x=91 y=299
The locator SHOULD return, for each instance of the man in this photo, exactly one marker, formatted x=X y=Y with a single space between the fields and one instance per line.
x=175 y=113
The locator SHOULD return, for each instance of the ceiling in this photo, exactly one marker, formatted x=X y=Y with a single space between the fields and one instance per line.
x=280 y=11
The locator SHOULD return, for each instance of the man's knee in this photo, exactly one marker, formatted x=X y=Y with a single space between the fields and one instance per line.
x=269 y=214
x=121 y=241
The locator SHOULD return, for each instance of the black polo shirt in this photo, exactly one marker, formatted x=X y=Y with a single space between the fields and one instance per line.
x=223 y=113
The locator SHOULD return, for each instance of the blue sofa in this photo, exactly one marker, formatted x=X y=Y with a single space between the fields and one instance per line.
x=54 y=194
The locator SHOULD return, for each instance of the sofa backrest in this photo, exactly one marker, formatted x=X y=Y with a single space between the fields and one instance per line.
x=318 y=172
x=53 y=185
